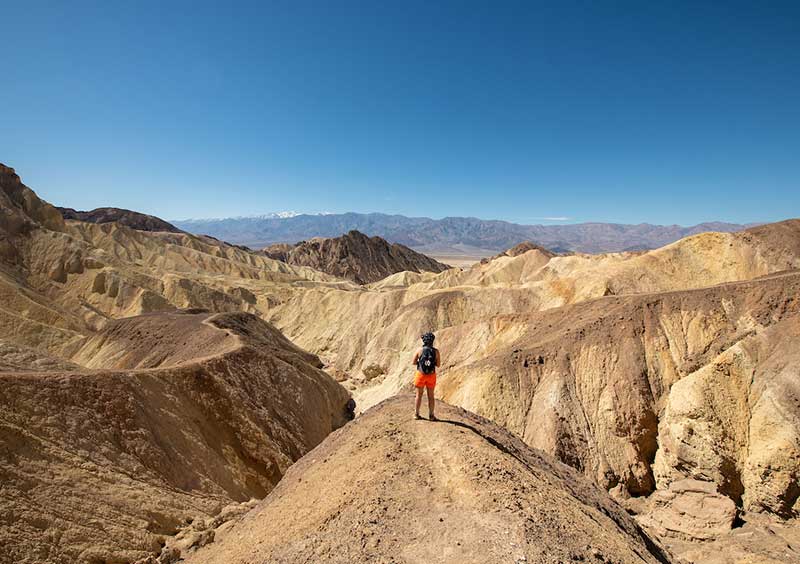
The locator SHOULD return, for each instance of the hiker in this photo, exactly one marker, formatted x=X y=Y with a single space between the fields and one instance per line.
x=426 y=360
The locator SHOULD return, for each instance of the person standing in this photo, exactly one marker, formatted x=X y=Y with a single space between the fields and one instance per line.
x=426 y=359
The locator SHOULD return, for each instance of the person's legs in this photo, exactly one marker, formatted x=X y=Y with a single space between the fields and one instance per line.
x=431 y=403
x=419 y=401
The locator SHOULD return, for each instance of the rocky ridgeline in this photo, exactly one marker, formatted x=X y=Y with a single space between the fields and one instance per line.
x=132 y=219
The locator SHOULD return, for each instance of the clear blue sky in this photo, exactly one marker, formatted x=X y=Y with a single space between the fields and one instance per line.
x=665 y=112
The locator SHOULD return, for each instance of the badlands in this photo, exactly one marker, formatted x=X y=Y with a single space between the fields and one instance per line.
x=626 y=407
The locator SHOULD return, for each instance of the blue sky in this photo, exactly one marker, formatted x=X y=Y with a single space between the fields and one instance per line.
x=660 y=112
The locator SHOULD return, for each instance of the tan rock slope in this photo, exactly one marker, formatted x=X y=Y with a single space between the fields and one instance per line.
x=355 y=256
x=387 y=488
x=183 y=414
x=696 y=385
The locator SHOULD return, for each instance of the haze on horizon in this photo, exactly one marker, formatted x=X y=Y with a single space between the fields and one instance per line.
x=517 y=111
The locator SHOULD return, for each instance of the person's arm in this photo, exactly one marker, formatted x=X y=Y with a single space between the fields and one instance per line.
x=438 y=358
x=416 y=357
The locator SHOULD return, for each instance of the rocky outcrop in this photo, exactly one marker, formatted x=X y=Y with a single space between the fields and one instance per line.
x=21 y=212
x=104 y=465
x=735 y=423
x=19 y=205
x=355 y=256
x=389 y=488
x=757 y=539
x=132 y=219
x=690 y=510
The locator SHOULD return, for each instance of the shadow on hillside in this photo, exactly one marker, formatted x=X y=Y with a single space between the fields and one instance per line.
x=491 y=440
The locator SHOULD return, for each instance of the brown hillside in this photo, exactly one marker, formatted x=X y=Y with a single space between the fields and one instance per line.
x=132 y=219
x=62 y=281
x=21 y=205
x=355 y=256
x=103 y=465
x=387 y=488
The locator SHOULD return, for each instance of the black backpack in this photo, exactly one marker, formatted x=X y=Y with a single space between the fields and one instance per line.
x=427 y=360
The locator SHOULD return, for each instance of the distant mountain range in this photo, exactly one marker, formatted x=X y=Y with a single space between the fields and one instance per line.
x=450 y=235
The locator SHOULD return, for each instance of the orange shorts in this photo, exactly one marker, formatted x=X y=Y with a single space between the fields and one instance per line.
x=424 y=380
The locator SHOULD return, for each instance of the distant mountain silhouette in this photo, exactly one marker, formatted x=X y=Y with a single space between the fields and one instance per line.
x=448 y=235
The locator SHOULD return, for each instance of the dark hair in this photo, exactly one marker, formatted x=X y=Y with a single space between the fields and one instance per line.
x=427 y=338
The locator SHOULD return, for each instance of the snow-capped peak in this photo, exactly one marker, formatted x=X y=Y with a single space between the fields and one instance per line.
x=270 y=215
